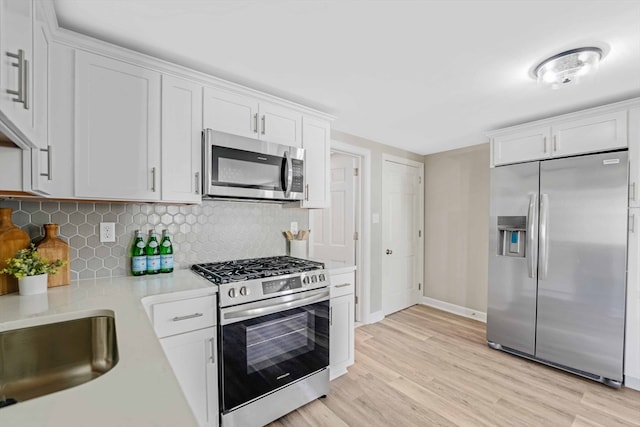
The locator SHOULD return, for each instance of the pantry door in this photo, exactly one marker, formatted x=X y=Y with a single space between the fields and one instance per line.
x=402 y=219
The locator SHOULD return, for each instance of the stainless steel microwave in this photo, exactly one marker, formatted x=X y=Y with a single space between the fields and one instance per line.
x=235 y=167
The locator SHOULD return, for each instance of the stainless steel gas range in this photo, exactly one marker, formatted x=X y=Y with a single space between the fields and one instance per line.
x=273 y=334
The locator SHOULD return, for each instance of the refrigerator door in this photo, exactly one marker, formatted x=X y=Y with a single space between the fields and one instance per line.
x=511 y=308
x=583 y=243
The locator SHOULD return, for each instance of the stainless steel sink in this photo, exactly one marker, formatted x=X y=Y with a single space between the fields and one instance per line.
x=43 y=359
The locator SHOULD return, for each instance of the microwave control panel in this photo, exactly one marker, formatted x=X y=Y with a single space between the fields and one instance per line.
x=297 y=185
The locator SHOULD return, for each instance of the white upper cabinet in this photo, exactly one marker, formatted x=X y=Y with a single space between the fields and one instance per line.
x=230 y=112
x=600 y=133
x=594 y=130
x=181 y=140
x=279 y=124
x=316 y=141
x=244 y=115
x=117 y=120
x=16 y=75
x=634 y=157
x=523 y=145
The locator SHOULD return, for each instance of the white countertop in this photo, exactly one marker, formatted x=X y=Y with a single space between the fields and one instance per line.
x=141 y=389
x=335 y=267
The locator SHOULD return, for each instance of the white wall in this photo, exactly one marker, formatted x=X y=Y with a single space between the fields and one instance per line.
x=456 y=226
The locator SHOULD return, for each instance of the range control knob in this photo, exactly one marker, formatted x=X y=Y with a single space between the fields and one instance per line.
x=305 y=280
x=244 y=291
x=314 y=279
x=232 y=293
x=322 y=278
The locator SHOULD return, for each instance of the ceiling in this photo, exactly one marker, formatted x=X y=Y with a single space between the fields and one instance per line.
x=422 y=75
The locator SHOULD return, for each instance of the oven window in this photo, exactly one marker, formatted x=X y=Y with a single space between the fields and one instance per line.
x=275 y=341
x=262 y=354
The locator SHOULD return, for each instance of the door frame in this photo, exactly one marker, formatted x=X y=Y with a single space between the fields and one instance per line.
x=420 y=243
x=362 y=227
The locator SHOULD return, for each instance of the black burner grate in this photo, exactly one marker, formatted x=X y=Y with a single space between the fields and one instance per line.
x=254 y=268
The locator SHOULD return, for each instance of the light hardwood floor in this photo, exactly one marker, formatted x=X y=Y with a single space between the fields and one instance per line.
x=426 y=367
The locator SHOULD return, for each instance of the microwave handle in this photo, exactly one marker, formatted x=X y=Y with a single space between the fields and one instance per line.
x=288 y=175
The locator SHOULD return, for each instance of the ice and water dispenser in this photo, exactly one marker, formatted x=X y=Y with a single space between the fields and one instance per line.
x=512 y=235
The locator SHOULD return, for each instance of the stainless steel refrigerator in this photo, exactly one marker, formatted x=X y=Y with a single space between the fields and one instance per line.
x=557 y=262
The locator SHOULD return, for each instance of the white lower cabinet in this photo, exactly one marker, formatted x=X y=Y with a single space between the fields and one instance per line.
x=632 y=330
x=341 y=323
x=192 y=356
x=187 y=332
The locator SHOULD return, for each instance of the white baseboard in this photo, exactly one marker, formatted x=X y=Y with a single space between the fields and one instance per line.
x=455 y=309
x=374 y=317
x=632 y=382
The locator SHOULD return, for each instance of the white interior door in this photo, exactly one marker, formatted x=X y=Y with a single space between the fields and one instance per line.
x=335 y=226
x=401 y=231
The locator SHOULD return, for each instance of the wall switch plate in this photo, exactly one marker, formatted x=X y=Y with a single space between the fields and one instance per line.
x=107 y=232
x=294 y=228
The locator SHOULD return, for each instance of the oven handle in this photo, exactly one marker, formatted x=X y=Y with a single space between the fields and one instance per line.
x=262 y=308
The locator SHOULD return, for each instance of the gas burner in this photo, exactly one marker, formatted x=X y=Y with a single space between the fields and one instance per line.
x=254 y=268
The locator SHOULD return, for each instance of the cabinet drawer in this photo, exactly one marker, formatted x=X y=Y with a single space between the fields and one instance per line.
x=185 y=315
x=342 y=284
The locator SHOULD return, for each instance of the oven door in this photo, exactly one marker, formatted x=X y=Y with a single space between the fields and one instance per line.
x=268 y=344
x=242 y=167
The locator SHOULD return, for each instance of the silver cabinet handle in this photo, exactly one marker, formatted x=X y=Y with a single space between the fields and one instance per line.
x=343 y=285
x=545 y=145
x=555 y=143
x=306 y=192
x=197 y=182
x=153 y=179
x=389 y=251
x=632 y=191
x=632 y=223
x=189 y=316
x=49 y=151
x=264 y=124
x=25 y=82
x=212 y=344
x=20 y=65
x=543 y=259
x=255 y=123
x=532 y=236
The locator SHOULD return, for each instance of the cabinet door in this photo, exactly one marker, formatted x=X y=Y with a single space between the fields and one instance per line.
x=632 y=330
x=521 y=146
x=181 y=140
x=230 y=112
x=117 y=141
x=634 y=157
x=192 y=356
x=600 y=133
x=41 y=157
x=16 y=35
x=341 y=344
x=280 y=125
x=317 y=167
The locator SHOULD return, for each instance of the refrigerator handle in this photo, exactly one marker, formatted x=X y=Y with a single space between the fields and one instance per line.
x=532 y=236
x=544 y=237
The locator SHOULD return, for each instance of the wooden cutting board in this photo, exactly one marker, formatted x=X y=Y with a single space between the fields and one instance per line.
x=12 y=239
x=53 y=248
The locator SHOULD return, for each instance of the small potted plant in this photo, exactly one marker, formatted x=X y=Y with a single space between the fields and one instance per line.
x=31 y=270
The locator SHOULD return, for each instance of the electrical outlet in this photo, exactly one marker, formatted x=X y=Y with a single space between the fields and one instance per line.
x=294 y=228
x=107 y=232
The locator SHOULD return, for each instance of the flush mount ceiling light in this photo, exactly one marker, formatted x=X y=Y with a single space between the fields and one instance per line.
x=568 y=67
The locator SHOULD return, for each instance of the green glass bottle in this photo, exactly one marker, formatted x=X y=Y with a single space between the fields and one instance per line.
x=153 y=253
x=138 y=255
x=166 y=253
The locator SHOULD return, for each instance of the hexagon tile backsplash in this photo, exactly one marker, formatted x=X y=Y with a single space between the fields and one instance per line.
x=212 y=231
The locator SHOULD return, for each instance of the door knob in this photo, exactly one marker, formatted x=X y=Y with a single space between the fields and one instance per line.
x=389 y=251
